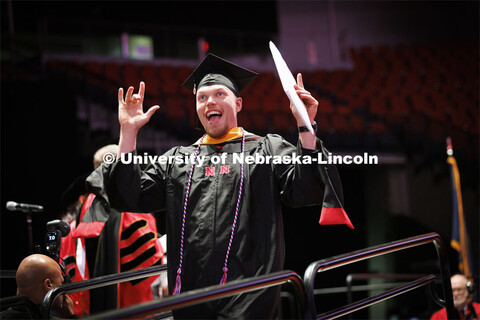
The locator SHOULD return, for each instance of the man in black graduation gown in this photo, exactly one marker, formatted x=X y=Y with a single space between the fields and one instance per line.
x=223 y=218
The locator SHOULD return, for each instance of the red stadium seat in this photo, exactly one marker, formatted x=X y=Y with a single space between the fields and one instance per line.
x=131 y=74
x=94 y=72
x=357 y=124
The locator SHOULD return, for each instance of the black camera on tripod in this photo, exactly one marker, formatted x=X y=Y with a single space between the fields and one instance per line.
x=56 y=229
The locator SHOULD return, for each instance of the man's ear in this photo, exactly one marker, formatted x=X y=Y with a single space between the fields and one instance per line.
x=47 y=284
x=238 y=104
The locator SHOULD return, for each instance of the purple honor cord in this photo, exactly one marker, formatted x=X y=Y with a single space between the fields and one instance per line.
x=178 y=282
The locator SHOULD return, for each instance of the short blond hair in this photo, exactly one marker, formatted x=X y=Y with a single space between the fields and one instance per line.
x=98 y=156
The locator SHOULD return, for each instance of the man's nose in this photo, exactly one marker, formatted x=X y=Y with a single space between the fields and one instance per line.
x=210 y=100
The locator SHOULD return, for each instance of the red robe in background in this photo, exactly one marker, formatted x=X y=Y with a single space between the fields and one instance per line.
x=124 y=241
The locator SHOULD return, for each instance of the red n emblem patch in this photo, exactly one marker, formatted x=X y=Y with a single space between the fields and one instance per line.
x=209 y=171
x=225 y=169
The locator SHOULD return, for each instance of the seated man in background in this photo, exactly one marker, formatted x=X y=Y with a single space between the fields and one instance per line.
x=461 y=291
x=36 y=275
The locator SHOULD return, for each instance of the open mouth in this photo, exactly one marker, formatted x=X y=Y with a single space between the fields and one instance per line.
x=213 y=115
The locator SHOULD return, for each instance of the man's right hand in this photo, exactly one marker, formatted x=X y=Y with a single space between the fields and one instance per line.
x=131 y=117
x=130 y=110
x=63 y=307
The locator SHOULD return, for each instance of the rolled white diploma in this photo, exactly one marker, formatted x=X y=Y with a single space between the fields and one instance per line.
x=288 y=82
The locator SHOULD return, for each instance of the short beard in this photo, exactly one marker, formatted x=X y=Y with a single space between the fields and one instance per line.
x=220 y=132
x=459 y=304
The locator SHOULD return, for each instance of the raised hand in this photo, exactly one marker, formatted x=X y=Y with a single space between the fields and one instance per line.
x=130 y=109
x=131 y=117
x=310 y=102
x=307 y=139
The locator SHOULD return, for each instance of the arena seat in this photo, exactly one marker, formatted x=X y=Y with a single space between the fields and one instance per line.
x=130 y=74
x=408 y=91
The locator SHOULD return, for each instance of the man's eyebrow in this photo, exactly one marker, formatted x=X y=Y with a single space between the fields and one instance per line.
x=223 y=89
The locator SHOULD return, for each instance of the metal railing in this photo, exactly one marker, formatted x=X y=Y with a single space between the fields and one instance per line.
x=303 y=290
x=212 y=293
x=359 y=255
x=363 y=276
x=97 y=283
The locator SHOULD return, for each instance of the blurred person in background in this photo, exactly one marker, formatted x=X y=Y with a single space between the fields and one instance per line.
x=462 y=290
x=98 y=245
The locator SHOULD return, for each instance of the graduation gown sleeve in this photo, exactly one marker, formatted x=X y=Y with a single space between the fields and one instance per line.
x=310 y=183
x=126 y=187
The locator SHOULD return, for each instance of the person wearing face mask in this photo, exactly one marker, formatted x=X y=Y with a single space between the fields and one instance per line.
x=223 y=214
x=461 y=291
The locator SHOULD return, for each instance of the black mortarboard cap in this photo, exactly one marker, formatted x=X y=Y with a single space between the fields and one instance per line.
x=73 y=191
x=215 y=70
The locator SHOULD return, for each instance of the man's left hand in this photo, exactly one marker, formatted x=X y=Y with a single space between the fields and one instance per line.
x=311 y=104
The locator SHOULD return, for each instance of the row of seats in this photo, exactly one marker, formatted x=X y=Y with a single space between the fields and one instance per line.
x=385 y=90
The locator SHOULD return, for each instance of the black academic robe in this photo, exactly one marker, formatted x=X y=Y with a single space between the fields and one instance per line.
x=25 y=309
x=258 y=243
